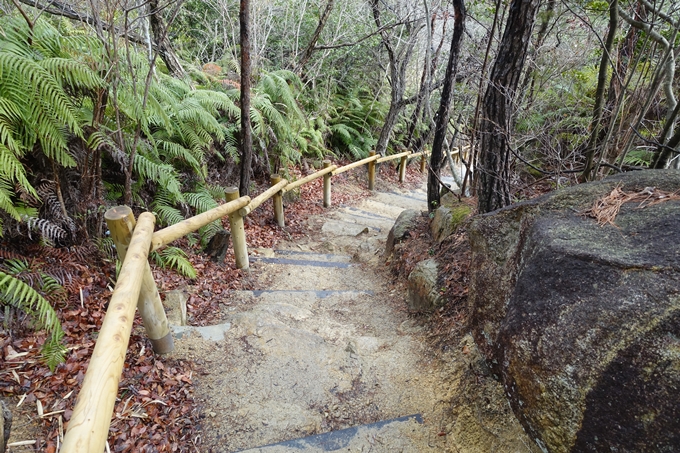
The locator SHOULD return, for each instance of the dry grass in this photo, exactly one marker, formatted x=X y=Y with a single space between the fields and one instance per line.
x=605 y=209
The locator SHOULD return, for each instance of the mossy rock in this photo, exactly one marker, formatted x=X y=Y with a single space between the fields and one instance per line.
x=446 y=220
x=581 y=322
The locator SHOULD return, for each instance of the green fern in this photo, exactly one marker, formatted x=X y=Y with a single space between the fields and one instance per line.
x=18 y=294
x=174 y=258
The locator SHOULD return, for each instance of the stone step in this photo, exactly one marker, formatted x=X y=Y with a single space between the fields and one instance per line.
x=390 y=435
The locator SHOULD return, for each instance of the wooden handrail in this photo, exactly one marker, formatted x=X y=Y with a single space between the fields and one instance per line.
x=88 y=427
x=393 y=156
x=264 y=196
x=173 y=232
x=312 y=177
x=355 y=164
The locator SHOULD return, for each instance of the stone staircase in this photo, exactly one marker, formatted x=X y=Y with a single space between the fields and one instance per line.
x=322 y=355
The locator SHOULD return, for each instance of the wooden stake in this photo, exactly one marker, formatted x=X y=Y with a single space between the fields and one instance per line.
x=238 y=232
x=327 y=185
x=402 y=168
x=278 y=202
x=423 y=161
x=88 y=428
x=371 y=172
x=121 y=223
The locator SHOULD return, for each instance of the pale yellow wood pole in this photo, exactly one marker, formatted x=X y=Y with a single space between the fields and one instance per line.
x=423 y=160
x=121 y=223
x=371 y=172
x=402 y=168
x=238 y=232
x=88 y=428
x=278 y=202
x=327 y=185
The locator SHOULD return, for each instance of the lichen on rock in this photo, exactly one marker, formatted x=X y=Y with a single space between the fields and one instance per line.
x=580 y=321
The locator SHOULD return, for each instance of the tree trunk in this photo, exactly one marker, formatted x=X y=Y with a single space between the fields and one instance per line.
x=315 y=37
x=218 y=245
x=494 y=131
x=397 y=67
x=5 y=426
x=442 y=119
x=595 y=125
x=160 y=36
x=246 y=131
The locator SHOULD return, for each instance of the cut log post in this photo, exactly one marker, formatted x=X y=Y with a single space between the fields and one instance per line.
x=238 y=232
x=423 y=161
x=217 y=246
x=371 y=172
x=327 y=185
x=121 y=223
x=402 y=168
x=278 y=202
x=88 y=428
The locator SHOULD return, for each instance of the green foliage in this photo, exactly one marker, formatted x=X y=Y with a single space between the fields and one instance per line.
x=37 y=108
x=354 y=119
x=174 y=258
x=19 y=294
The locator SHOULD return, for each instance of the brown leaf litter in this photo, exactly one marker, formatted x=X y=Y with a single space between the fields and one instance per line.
x=605 y=209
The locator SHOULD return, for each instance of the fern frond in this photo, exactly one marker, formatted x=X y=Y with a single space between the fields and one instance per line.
x=20 y=295
x=174 y=258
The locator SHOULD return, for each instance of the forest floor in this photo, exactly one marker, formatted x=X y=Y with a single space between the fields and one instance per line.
x=169 y=403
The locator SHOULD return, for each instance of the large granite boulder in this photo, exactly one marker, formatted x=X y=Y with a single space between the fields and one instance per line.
x=581 y=322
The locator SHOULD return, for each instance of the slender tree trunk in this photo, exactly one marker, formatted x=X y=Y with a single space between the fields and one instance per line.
x=315 y=37
x=425 y=90
x=442 y=119
x=474 y=127
x=497 y=110
x=246 y=131
x=595 y=125
x=398 y=63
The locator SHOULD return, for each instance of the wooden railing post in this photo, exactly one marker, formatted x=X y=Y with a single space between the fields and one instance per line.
x=89 y=425
x=327 y=185
x=423 y=161
x=238 y=232
x=121 y=223
x=402 y=168
x=371 y=172
x=278 y=202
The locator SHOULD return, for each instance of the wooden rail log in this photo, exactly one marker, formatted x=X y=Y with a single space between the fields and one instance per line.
x=312 y=177
x=264 y=196
x=173 y=232
x=393 y=156
x=358 y=163
x=88 y=427
x=121 y=223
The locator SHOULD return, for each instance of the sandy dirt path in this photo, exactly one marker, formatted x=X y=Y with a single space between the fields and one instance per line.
x=322 y=355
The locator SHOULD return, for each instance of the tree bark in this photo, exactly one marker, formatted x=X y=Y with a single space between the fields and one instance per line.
x=5 y=426
x=442 y=119
x=160 y=36
x=595 y=125
x=246 y=131
x=398 y=64
x=494 y=154
x=315 y=37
